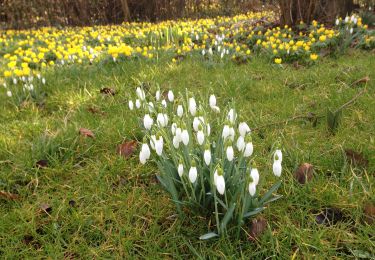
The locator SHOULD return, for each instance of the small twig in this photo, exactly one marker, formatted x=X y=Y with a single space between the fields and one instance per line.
x=352 y=100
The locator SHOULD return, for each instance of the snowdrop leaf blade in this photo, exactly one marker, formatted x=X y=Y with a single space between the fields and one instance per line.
x=253 y=212
x=268 y=195
x=228 y=216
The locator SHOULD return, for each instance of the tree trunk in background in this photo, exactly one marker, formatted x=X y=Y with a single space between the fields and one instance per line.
x=294 y=11
x=125 y=10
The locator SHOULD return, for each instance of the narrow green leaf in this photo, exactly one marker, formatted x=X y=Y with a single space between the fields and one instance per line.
x=228 y=216
x=268 y=195
x=208 y=236
x=253 y=212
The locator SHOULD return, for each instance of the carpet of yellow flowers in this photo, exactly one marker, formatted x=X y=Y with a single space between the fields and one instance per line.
x=29 y=52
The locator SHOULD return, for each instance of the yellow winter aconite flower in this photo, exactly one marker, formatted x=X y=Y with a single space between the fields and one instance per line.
x=322 y=38
x=313 y=56
x=278 y=60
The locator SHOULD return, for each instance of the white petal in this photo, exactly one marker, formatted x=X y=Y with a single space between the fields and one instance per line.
x=193 y=174
x=180 y=169
x=207 y=157
x=252 y=188
x=212 y=101
x=200 y=137
x=254 y=173
x=192 y=106
x=180 y=111
x=185 y=137
x=241 y=143
x=230 y=153
x=220 y=184
x=170 y=96
x=248 y=150
x=277 y=168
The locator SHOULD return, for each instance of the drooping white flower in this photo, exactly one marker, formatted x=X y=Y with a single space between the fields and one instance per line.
x=220 y=184
x=9 y=93
x=150 y=107
x=137 y=103
x=241 y=143
x=210 y=51
x=173 y=128
x=230 y=153
x=170 y=96
x=144 y=154
x=193 y=174
x=248 y=149
x=226 y=132
x=200 y=137
x=212 y=101
x=157 y=95
x=277 y=168
x=180 y=169
x=351 y=30
x=347 y=19
x=14 y=81
x=159 y=146
x=176 y=142
x=232 y=115
x=164 y=103
x=153 y=141
x=140 y=93
x=252 y=188
x=203 y=52
x=231 y=133
x=208 y=129
x=148 y=121
x=254 y=173
x=192 y=106
x=43 y=81
x=216 y=109
x=207 y=156
x=243 y=128
x=337 y=22
x=180 y=110
x=278 y=155
x=197 y=122
x=162 y=120
x=185 y=137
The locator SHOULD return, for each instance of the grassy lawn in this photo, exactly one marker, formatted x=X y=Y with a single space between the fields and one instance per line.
x=102 y=205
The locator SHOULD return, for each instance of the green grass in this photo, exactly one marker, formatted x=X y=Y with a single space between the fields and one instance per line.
x=120 y=210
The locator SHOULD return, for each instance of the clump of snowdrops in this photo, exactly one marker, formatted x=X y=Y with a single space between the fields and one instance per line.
x=205 y=157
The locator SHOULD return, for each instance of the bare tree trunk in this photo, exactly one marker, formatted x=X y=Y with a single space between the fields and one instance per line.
x=125 y=10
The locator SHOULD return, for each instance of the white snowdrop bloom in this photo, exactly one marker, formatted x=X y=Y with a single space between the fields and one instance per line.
x=173 y=128
x=180 y=110
x=226 y=132
x=14 y=81
x=208 y=129
x=38 y=76
x=185 y=137
x=232 y=115
x=9 y=93
x=248 y=149
x=277 y=168
x=23 y=78
x=241 y=143
x=137 y=103
x=278 y=155
x=151 y=106
x=337 y=22
x=347 y=19
x=222 y=55
x=161 y=120
x=216 y=109
x=159 y=146
x=231 y=133
x=230 y=153
x=176 y=142
x=164 y=103
x=203 y=52
x=254 y=173
x=197 y=37
x=252 y=188
x=212 y=101
x=218 y=48
x=131 y=105
x=192 y=106
x=193 y=174
x=220 y=184
x=153 y=141
x=178 y=133
x=31 y=87
x=147 y=121
x=200 y=137
x=227 y=52
x=145 y=153
x=210 y=51
x=197 y=122
x=351 y=30
x=207 y=156
x=180 y=170
x=140 y=93
x=243 y=128
x=170 y=96
x=157 y=95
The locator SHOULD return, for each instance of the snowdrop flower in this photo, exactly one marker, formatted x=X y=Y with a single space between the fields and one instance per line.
x=9 y=93
x=173 y=128
x=157 y=95
x=151 y=106
x=185 y=137
x=140 y=93
x=159 y=146
x=145 y=153
x=170 y=96
x=277 y=168
x=212 y=101
x=219 y=181
x=137 y=103
x=162 y=119
x=252 y=188
x=232 y=115
x=278 y=155
x=210 y=51
x=248 y=149
x=14 y=81
x=164 y=103
x=241 y=143
x=197 y=122
x=226 y=132
x=216 y=109
x=337 y=22
x=148 y=121
x=208 y=129
x=38 y=76
x=180 y=169
x=203 y=52
x=207 y=156
x=176 y=142
x=193 y=173
x=222 y=55
x=254 y=174
x=180 y=111
x=200 y=137
x=351 y=30
x=192 y=106
x=231 y=133
x=347 y=19
x=243 y=128
x=230 y=153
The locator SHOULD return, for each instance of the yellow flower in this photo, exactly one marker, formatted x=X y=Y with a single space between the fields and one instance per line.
x=322 y=38
x=278 y=60
x=313 y=56
x=248 y=52
x=7 y=73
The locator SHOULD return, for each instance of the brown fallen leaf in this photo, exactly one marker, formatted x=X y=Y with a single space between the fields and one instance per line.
x=304 y=173
x=41 y=163
x=8 y=195
x=45 y=208
x=258 y=225
x=127 y=149
x=86 y=132
x=108 y=91
x=94 y=110
x=369 y=211
x=356 y=158
x=362 y=80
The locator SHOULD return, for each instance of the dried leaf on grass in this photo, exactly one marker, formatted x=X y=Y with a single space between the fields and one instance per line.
x=258 y=226
x=86 y=132
x=127 y=149
x=369 y=211
x=362 y=80
x=356 y=158
x=304 y=173
x=8 y=195
x=45 y=208
x=108 y=91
